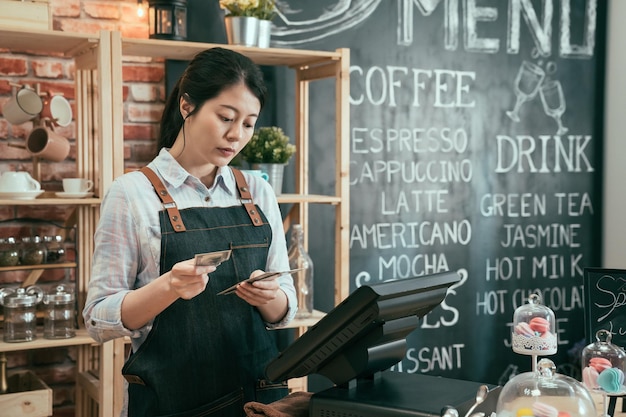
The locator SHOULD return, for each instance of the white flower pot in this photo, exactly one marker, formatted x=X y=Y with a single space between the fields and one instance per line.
x=265 y=33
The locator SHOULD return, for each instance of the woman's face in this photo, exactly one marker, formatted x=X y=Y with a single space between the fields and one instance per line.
x=221 y=127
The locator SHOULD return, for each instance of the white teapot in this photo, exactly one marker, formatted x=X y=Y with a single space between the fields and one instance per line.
x=20 y=181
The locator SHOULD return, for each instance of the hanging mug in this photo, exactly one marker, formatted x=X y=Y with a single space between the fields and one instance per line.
x=57 y=110
x=25 y=105
x=45 y=143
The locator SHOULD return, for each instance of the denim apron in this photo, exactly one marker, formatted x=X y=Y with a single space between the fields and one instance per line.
x=206 y=356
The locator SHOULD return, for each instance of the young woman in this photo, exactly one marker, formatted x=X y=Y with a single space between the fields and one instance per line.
x=194 y=352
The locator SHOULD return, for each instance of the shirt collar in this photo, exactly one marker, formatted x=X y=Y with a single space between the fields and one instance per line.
x=175 y=174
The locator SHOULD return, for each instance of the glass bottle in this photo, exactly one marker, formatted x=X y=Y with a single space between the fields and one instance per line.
x=303 y=279
x=55 y=249
x=9 y=252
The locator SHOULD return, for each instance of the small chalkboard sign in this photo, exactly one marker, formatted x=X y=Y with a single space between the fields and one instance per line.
x=605 y=303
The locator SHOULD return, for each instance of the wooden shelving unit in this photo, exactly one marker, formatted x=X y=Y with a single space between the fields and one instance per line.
x=92 y=58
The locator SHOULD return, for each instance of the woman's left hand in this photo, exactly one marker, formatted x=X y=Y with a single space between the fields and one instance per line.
x=260 y=292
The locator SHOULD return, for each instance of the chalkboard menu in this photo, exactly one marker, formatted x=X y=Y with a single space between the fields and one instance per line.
x=476 y=147
x=605 y=298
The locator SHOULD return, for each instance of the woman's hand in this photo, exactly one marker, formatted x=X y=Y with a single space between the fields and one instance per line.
x=259 y=292
x=187 y=280
x=266 y=295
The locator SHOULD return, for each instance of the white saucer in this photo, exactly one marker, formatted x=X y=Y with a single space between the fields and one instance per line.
x=21 y=195
x=74 y=195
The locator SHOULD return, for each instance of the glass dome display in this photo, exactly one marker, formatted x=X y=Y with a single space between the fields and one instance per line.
x=603 y=366
x=544 y=393
x=534 y=329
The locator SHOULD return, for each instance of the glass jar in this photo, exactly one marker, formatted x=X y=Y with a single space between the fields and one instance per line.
x=603 y=365
x=55 y=249
x=9 y=252
x=534 y=329
x=58 y=320
x=20 y=313
x=544 y=392
x=32 y=251
x=303 y=279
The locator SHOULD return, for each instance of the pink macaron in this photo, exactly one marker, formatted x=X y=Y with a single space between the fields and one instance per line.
x=523 y=329
x=600 y=363
x=544 y=410
x=539 y=324
x=590 y=377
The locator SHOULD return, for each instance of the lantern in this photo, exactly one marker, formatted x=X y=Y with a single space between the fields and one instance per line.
x=168 y=19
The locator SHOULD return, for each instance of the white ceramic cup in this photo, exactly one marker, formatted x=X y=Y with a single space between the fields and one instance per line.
x=18 y=182
x=25 y=105
x=77 y=185
x=58 y=110
x=257 y=172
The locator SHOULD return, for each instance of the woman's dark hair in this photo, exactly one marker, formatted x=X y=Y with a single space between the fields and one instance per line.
x=207 y=75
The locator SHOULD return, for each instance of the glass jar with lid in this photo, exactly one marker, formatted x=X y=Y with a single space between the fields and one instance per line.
x=9 y=252
x=544 y=392
x=534 y=328
x=55 y=249
x=58 y=321
x=32 y=251
x=20 y=313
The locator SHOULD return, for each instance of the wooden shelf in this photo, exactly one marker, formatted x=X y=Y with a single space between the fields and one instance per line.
x=185 y=51
x=50 y=200
x=63 y=44
x=308 y=322
x=81 y=338
x=59 y=265
x=309 y=199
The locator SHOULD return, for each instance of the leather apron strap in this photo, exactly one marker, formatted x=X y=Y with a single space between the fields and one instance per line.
x=172 y=209
x=246 y=198
x=168 y=202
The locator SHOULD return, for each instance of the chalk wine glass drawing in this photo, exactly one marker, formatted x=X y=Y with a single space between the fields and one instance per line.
x=553 y=102
x=527 y=83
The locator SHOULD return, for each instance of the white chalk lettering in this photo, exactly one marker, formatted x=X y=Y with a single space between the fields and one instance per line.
x=409 y=172
x=375 y=140
x=410 y=235
x=523 y=154
x=553 y=235
x=463 y=18
x=439 y=358
x=405 y=266
x=379 y=86
x=504 y=269
x=415 y=201
x=513 y=205
x=557 y=298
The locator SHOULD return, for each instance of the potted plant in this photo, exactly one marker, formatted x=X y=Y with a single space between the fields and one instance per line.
x=248 y=22
x=269 y=150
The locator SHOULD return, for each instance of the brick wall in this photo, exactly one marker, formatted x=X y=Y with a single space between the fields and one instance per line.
x=143 y=93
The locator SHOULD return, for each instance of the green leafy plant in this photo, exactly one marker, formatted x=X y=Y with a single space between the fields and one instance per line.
x=269 y=145
x=261 y=9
